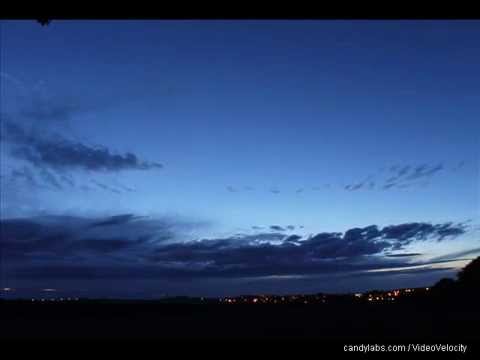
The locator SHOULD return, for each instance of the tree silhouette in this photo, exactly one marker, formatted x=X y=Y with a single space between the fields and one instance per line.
x=44 y=21
x=469 y=276
x=444 y=284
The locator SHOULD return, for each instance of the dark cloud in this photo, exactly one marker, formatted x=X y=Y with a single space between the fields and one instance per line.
x=138 y=249
x=409 y=232
x=70 y=271
x=434 y=170
x=126 y=188
x=424 y=171
x=277 y=228
x=404 y=269
x=368 y=233
x=73 y=236
x=403 y=177
x=115 y=220
x=449 y=229
x=392 y=179
x=356 y=187
x=403 y=171
x=293 y=239
x=418 y=172
x=105 y=246
x=60 y=153
x=403 y=255
x=388 y=186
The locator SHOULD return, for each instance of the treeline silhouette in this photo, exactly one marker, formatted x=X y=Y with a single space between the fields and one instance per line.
x=465 y=290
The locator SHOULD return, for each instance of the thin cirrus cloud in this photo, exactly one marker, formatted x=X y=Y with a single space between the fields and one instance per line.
x=407 y=175
x=152 y=248
x=398 y=177
x=105 y=187
x=44 y=179
x=40 y=178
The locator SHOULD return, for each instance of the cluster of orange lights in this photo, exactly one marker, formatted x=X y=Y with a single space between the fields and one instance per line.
x=387 y=296
x=272 y=299
x=391 y=295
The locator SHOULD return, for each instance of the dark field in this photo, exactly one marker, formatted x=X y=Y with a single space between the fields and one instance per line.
x=152 y=320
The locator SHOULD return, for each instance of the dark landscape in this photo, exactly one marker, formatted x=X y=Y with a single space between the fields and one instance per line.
x=447 y=311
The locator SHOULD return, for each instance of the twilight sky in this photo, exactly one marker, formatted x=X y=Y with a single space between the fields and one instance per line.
x=141 y=158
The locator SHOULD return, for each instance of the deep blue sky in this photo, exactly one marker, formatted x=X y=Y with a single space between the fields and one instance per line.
x=322 y=125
